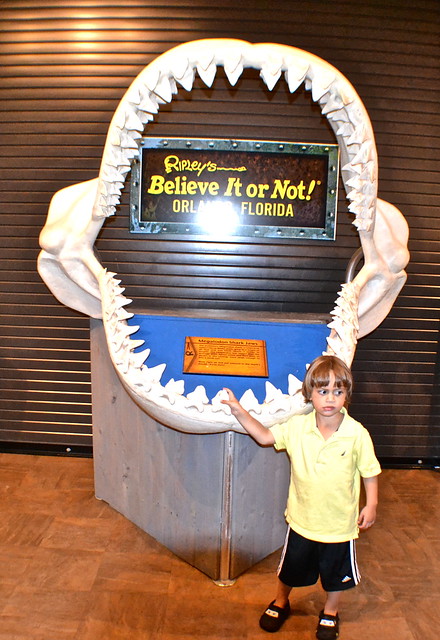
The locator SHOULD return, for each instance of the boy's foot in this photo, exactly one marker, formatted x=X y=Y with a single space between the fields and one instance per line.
x=328 y=626
x=274 y=617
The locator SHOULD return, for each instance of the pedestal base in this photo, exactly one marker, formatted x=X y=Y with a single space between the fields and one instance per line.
x=215 y=500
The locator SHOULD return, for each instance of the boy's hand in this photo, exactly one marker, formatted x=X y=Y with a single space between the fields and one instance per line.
x=254 y=428
x=367 y=517
x=233 y=403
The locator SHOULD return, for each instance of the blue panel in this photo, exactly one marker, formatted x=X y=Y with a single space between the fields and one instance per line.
x=290 y=346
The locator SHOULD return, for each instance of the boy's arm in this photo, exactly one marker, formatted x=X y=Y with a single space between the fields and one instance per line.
x=261 y=434
x=367 y=516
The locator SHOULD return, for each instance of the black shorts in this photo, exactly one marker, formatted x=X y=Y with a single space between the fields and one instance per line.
x=303 y=561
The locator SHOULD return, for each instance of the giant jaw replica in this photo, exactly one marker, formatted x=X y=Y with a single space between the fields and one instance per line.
x=68 y=265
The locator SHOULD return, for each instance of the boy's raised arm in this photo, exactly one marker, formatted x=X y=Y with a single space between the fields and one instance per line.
x=260 y=434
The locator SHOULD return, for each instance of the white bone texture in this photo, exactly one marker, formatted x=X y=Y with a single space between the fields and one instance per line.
x=68 y=265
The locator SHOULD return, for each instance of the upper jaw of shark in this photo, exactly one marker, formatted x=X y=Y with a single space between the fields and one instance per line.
x=69 y=267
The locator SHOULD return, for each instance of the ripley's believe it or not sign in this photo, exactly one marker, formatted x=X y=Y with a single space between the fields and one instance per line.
x=235 y=187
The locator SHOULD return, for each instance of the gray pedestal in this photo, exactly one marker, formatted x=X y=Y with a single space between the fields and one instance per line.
x=216 y=500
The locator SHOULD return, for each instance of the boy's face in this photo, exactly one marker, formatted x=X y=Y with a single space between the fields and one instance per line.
x=329 y=400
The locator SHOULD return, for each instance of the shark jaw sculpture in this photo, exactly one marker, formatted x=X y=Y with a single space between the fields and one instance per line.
x=68 y=265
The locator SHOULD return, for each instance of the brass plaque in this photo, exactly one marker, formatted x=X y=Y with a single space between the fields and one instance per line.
x=225 y=356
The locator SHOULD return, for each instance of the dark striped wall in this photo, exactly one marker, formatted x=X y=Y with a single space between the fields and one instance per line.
x=64 y=67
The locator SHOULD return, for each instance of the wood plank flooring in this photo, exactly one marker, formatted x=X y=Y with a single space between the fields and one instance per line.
x=71 y=568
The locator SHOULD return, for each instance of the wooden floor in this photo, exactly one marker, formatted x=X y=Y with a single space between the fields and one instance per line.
x=73 y=569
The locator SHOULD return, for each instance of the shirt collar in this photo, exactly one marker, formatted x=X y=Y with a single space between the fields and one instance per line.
x=311 y=421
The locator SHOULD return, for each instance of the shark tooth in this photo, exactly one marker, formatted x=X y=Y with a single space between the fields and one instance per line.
x=114 y=136
x=355 y=114
x=321 y=83
x=121 y=301
x=368 y=172
x=363 y=225
x=198 y=398
x=179 y=65
x=176 y=387
x=355 y=195
x=154 y=374
x=353 y=168
x=295 y=75
x=208 y=74
x=270 y=79
x=345 y=130
x=233 y=66
x=271 y=71
x=106 y=200
x=149 y=103
x=150 y=77
x=110 y=188
x=364 y=154
x=110 y=174
x=129 y=329
x=206 y=58
x=118 y=289
x=250 y=402
x=128 y=141
x=135 y=344
x=133 y=122
x=346 y=93
x=340 y=115
x=144 y=117
x=295 y=385
x=107 y=211
x=359 y=136
x=355 y=208
x=119 y=118
x=334 y=103
x=187 y=80
x=115 y=156
x=133 y=95
x=114 y=200
x=164 y=89
x=125 y=315
x=356 y=182
x=217 y=404
x=272 y=393
x=172 y=390
x=183 y=72
x=138 y=359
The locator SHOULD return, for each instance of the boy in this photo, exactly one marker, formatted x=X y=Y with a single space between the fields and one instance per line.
x=329 y=451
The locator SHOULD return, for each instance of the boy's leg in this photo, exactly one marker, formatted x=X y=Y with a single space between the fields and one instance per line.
x=328 y=624
x=338 y=571
x=332 y=603
x=278 y=611
x=283 y=592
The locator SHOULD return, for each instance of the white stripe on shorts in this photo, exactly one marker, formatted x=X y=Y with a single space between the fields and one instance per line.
x=284 y=550
x=354 y=566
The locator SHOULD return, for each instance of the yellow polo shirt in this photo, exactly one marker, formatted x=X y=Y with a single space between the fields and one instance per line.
x=323 y=501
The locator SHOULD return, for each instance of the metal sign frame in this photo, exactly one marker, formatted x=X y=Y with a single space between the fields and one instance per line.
x=245 y=188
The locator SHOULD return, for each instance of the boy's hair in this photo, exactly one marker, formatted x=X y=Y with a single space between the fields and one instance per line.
x=318 y=375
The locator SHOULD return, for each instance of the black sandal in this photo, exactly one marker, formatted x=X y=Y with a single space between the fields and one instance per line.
x=328 y=626
x=274 y=617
